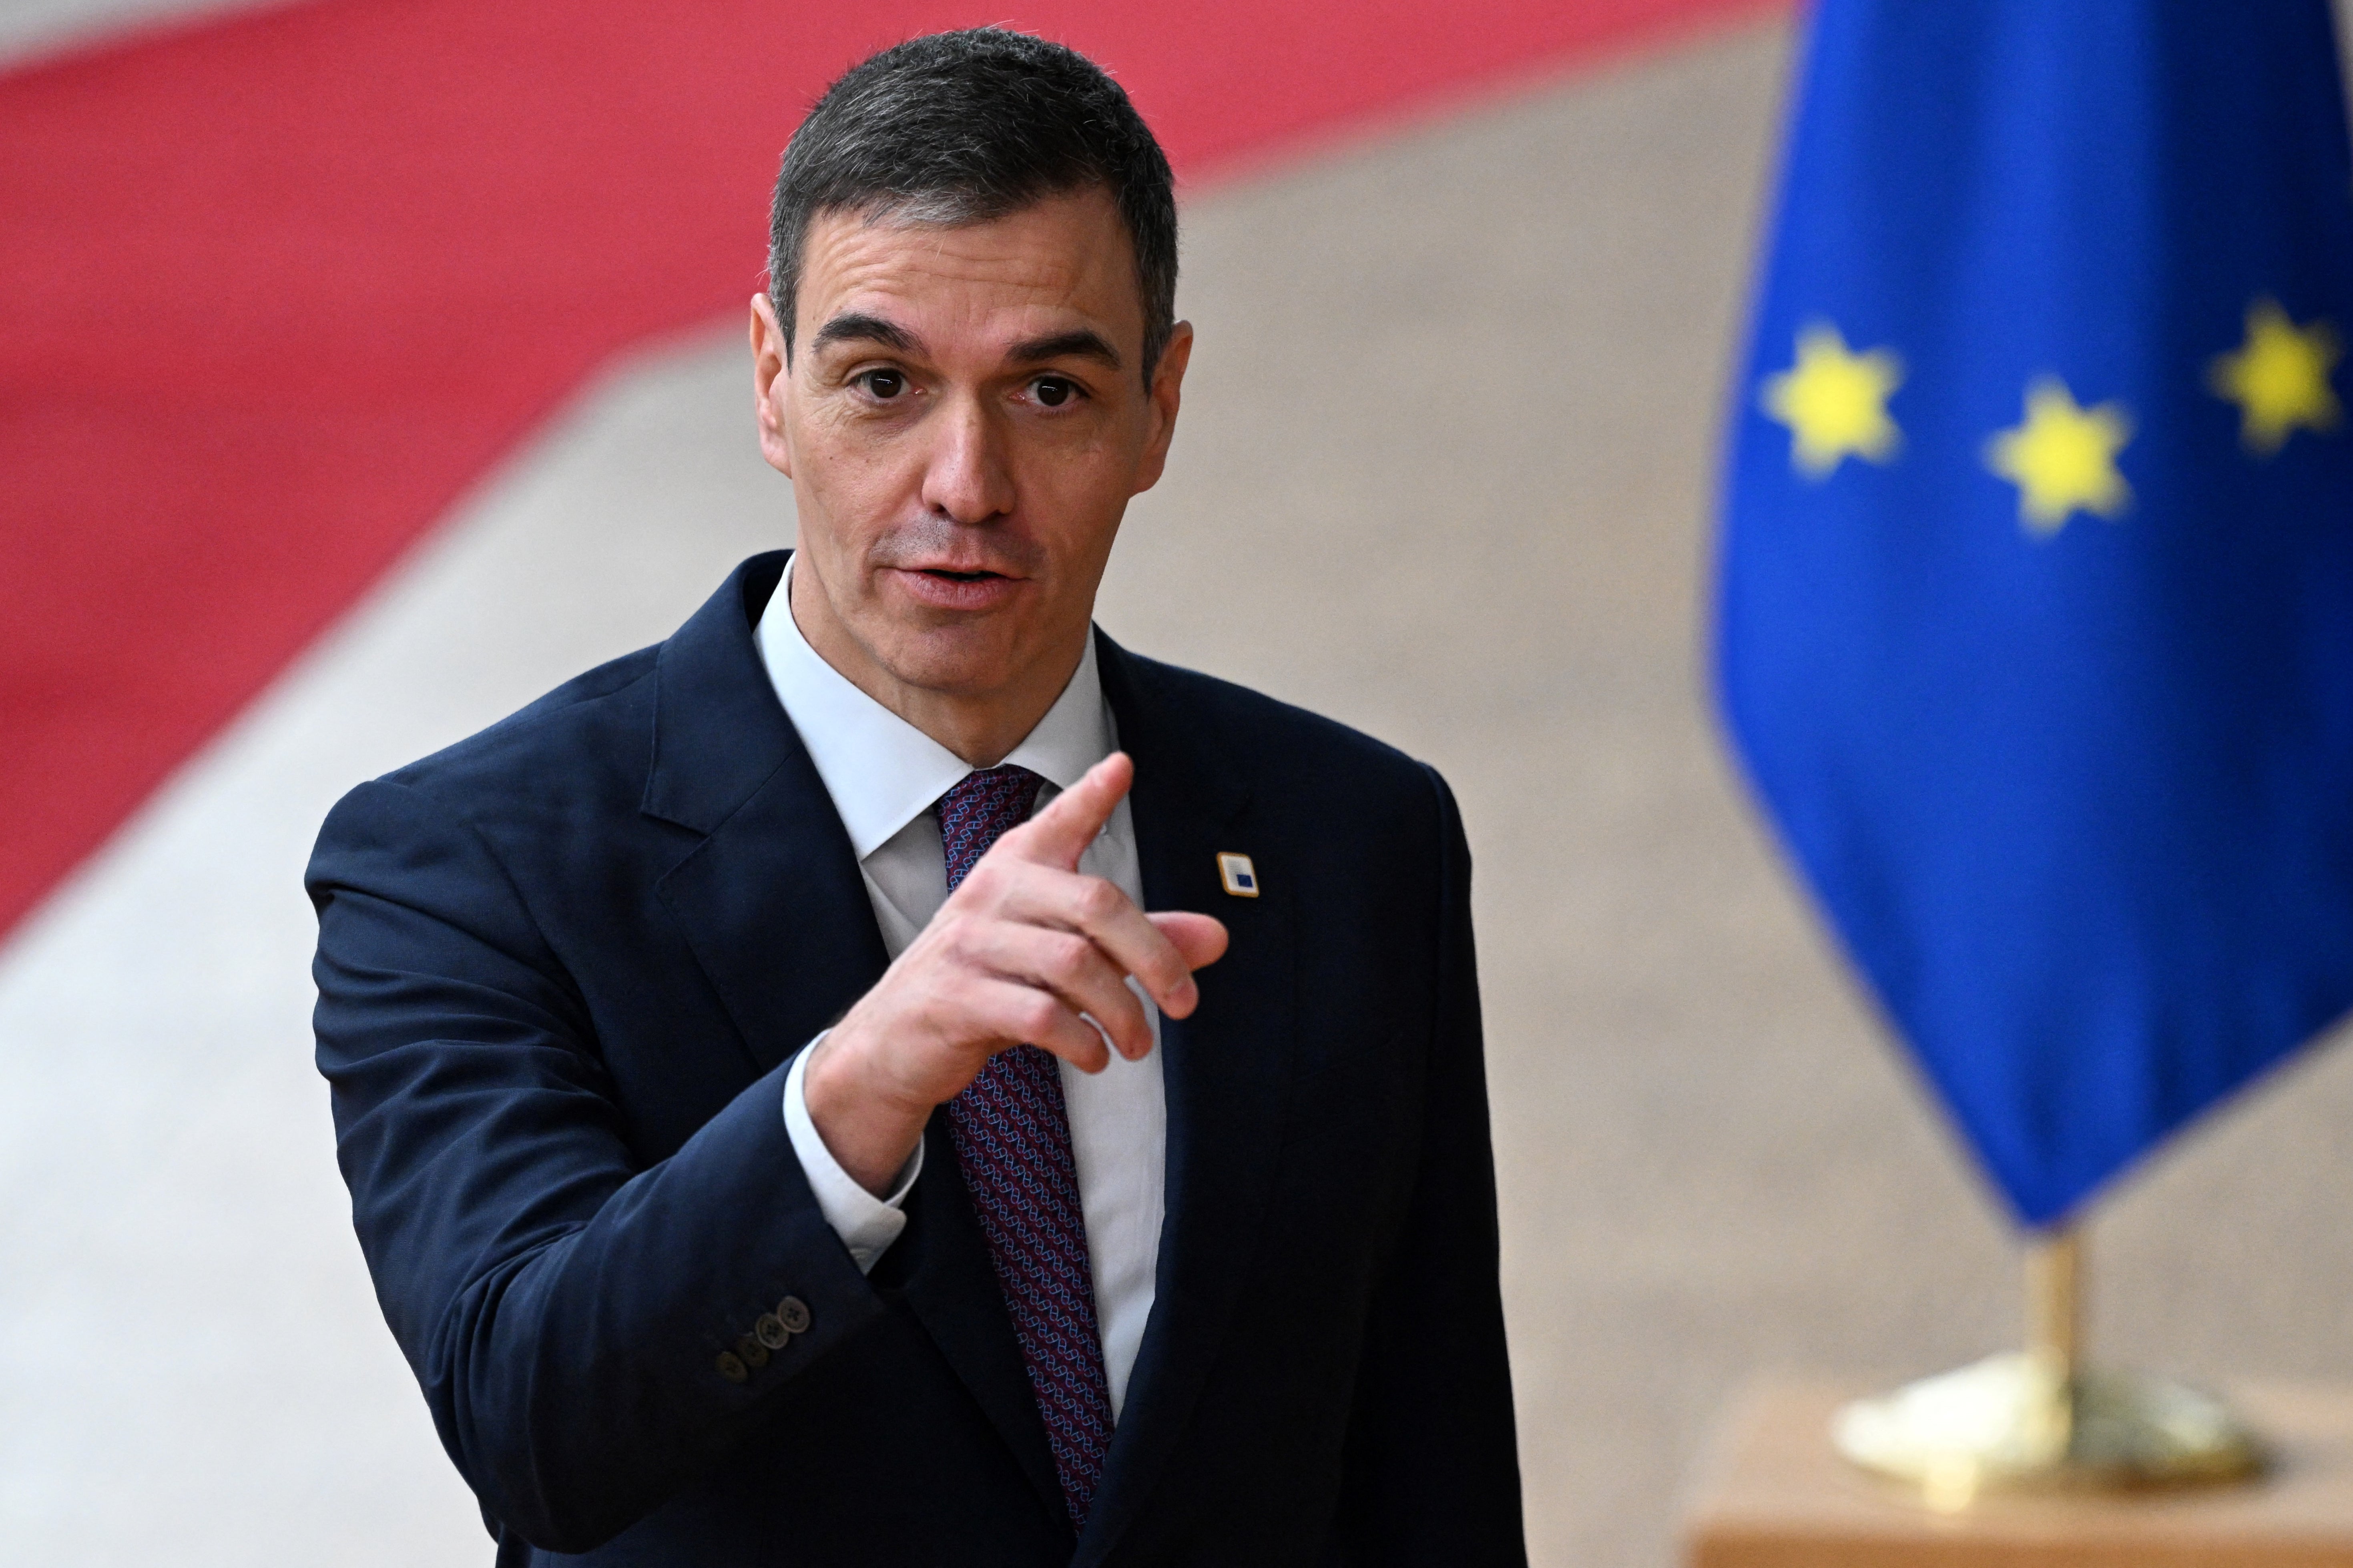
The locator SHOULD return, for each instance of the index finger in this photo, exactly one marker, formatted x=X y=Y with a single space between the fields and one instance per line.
x=1058 y=835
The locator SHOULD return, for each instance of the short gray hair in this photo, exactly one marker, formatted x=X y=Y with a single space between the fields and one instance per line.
x=968 y=126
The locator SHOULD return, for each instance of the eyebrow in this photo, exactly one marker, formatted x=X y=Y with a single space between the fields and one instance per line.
x=856 y=326
x=1079 y=344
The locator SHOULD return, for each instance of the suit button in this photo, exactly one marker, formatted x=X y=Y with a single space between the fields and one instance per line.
x=794 y=1313
x=732 y=1367
x=770 y=1331
x=754 y=1353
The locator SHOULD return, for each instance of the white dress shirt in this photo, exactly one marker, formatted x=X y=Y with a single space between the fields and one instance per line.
x=884 y=776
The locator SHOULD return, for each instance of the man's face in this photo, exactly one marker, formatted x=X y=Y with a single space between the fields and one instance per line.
x=963 y=420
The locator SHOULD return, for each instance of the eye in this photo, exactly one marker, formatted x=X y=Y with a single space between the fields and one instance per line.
x=884 y=385
x=1053 y=391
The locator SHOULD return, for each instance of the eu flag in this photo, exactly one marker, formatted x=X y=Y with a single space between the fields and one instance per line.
x=2037 y=580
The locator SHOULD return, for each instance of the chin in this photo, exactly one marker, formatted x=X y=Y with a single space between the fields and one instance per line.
x=969 y=660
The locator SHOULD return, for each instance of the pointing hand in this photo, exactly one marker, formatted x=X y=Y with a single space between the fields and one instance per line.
x=1027 y=949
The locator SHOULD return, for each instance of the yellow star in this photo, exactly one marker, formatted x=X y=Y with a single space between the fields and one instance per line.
x=2063 y=458
x=1835 y=402
x=2279 y=380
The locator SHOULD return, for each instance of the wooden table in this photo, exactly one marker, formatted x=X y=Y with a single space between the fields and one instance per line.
x=1773 y=1494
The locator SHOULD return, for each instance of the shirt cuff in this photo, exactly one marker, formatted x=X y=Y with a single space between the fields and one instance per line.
x=865 y=1224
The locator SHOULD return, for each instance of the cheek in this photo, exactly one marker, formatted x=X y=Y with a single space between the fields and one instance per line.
x=1075 y=500
x=856 y=485
x=1085 y=455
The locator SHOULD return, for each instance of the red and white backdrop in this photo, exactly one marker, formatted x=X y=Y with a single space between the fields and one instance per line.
x=368 y=366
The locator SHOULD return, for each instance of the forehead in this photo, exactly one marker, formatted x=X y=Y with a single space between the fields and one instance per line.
x=1064 y=259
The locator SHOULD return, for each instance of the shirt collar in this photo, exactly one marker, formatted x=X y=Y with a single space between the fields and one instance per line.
x=883 y=773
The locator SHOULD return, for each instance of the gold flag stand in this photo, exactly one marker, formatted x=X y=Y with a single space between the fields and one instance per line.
x=2041 y=1418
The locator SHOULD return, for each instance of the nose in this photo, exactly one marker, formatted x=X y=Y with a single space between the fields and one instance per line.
x=967 y=479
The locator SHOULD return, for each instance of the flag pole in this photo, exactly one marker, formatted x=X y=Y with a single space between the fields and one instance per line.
x=2044 y=1418
x=2054 y=1300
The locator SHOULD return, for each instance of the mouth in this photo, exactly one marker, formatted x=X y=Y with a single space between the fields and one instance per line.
x=956 y=589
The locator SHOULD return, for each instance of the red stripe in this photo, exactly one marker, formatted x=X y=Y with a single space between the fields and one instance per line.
x=280 y=287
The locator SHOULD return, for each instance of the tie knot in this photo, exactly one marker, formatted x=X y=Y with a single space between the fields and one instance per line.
x=976 y=813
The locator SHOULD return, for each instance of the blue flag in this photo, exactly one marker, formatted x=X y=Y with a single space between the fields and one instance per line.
x=2037 y=597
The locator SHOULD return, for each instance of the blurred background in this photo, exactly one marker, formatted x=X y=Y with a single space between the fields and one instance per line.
x=1468 y=281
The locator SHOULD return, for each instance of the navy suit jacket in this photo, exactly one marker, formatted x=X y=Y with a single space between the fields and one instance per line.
x=562 y=967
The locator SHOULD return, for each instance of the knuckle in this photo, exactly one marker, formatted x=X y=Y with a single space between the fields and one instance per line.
x=957 y=937
x=1037 y=1017
x=1066 y=956
x=1098 y=900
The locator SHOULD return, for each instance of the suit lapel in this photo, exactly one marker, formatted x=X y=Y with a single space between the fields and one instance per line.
x=771 y=901
x=778 y=916
x=1227 y=1069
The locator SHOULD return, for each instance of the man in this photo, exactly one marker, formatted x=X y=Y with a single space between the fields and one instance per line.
x=775 y=1143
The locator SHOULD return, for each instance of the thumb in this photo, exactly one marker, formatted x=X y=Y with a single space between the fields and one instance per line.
x=1199 y=939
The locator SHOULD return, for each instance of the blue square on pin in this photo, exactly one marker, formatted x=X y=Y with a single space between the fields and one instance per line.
x=1239 y=876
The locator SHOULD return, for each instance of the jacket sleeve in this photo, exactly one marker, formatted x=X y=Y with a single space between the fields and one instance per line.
x=1433 y=1470
x=565 y=1307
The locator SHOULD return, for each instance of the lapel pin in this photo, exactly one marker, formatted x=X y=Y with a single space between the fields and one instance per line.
x=1239 y=875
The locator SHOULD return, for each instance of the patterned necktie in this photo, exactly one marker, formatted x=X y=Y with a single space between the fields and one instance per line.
x=1012 y=1136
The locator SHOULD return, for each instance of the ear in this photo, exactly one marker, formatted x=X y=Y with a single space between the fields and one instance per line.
x=772 y=385
x=1167 y=391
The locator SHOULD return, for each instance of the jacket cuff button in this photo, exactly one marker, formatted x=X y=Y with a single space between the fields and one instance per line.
x=752 y=1352
x=794 y=1313
x=732 y=1367
x=770 y=1331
